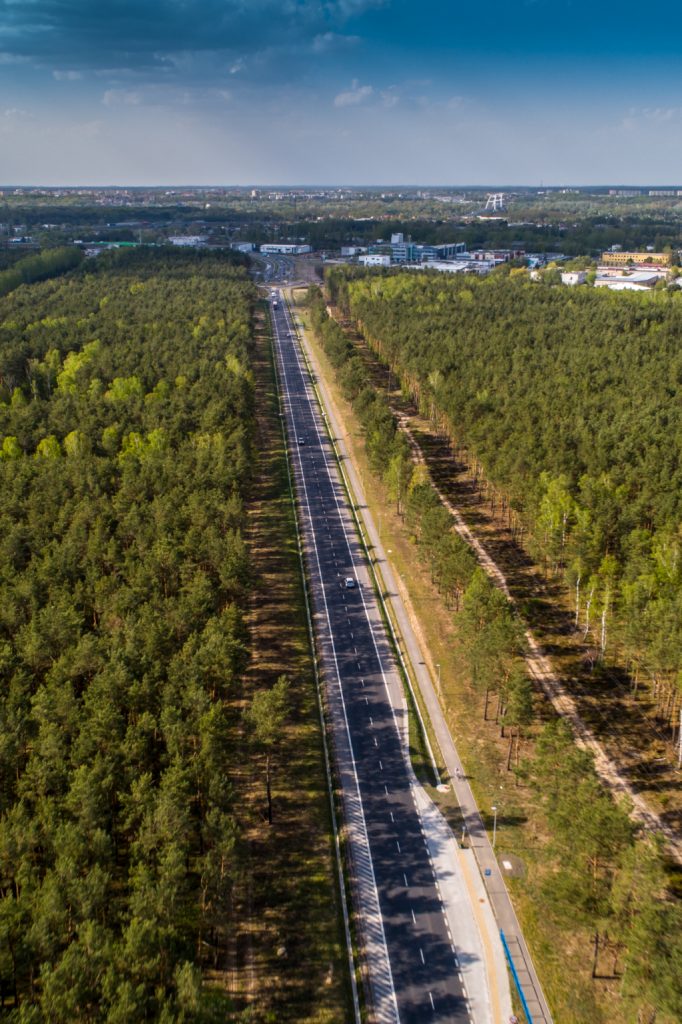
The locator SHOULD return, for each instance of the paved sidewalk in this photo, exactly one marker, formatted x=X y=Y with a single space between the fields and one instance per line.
x=475 y=935
x=495 y=888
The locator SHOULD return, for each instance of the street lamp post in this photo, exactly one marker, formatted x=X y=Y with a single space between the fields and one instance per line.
x=438 y=681
x=494 y=810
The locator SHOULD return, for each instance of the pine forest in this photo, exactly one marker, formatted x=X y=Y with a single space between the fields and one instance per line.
x=127 y=412
x=568 y=402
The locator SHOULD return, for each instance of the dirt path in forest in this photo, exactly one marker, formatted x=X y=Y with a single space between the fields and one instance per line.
x=540 y=668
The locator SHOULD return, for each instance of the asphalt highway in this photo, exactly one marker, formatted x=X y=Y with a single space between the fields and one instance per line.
x=273 y=268
x=412 y=964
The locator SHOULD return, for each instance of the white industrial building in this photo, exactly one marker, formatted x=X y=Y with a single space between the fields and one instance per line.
x=621 y=284
x=375 y=260
x=193 y=241
x=637 y=280
x=455 y=266
x=573 y=277
x=284 y=249
x=243 y=246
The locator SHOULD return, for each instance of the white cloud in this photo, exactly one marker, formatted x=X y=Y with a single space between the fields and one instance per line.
x=66 y=76
x=661 y=114
x=168 y=98
x=12 y=58
x=90 y=129
x=331 y=41
x=351 y=8
x=237 y=66
x=640 y=118
x=121 y=97
x=390 y=97
x=356 y=94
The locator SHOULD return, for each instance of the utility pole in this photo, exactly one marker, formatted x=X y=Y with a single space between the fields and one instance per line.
x=494 y=810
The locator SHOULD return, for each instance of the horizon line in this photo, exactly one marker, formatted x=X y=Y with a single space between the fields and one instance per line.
x=336 y=185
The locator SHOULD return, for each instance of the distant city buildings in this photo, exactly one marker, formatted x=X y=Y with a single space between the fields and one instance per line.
x=620 y=271
x=445 y=257
x=631 y=193
x=401 y=251
x=498 y=256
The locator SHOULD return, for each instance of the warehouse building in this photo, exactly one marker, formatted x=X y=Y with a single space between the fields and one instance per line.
x=375 y=260
x=284 y=249
x=648 y=259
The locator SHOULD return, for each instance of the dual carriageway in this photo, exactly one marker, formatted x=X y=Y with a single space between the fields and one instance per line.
x=423 y=952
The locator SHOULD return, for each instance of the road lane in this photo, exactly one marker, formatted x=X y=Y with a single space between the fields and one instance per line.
x=413 y=967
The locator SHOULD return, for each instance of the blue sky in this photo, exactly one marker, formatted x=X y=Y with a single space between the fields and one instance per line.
x=338 y=91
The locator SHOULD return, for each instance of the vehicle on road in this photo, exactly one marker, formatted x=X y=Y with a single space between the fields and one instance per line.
x=301 y=440
x=349 y=583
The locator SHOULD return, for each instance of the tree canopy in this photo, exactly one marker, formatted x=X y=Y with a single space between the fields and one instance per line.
x=126 y=420
x=569 y=401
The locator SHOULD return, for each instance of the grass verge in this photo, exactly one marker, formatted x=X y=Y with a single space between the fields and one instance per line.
x=290 y=959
